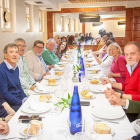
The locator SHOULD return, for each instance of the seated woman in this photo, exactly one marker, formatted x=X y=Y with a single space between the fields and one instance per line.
x=6 y=112
x=63 y=39
x=106 y=61
x=71 y=40
x=118 y=66
x=62 y=48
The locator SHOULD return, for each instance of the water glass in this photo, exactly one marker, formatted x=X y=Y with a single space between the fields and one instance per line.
x=45 y=134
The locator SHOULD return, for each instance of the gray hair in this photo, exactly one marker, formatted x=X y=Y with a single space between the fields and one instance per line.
x=97 y=36
x=133 y=43
x=19 y=39
x=52 y=40
x=10 y=45
x=116 y=45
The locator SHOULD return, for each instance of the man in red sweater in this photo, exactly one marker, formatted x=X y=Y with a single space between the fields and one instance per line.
x=131 y=87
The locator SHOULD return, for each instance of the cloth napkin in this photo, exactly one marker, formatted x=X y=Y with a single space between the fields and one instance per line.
x=35 y=105
x=136 y=125
x=104 y=137
x=40 y=87
x=57 y=67
x=100 y=88
x=100 y=75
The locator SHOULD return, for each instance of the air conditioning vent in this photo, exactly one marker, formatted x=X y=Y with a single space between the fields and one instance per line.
x=39 y=2
x=48 y=8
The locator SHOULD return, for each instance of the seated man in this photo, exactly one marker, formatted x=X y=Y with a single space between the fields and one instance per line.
x=48 y=53
x=4 y=128
x=131 y=87
x=27 y=81
x=37 y=67
x=10 y=86
x=57 y=39
x=6 y=112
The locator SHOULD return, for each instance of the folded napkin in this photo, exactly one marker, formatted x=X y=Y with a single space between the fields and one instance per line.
x=35 y=105
x=57 y=67
x=100 y=75
x=136 y=125
x=100 y=88
x=40 y=87
x=104 y=137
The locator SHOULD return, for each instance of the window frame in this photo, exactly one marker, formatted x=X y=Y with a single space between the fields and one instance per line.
x=28 y=29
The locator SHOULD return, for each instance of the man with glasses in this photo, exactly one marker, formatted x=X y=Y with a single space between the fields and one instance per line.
x=48 y=53
x=37 y=67
x=26 y=80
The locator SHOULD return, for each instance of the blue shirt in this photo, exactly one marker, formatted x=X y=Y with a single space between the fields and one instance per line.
x=10 y=84
x=133 y=68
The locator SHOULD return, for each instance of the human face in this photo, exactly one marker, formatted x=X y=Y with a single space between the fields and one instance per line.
x=97 y=40
x=63 y=46
x=12 y=55
x=105 y=38
x=63 y=40
x=50 y=46
x=57 y=39
x=38 y=49
x=21 y=46
x=114 y=51
x=132 y=55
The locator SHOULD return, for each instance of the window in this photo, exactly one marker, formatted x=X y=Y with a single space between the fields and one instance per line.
x=40 y=21
x=79 y=25
x=5 y=7
x=68 y=24
x=62 y=23
x=74 y=25
x=54 y=22
x=28 y=18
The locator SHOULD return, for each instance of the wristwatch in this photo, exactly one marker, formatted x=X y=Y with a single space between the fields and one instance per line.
x=121 y=95
x=3 y=119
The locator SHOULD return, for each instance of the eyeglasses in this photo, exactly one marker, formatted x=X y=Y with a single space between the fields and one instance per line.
x=22 y=46
x=39 y=47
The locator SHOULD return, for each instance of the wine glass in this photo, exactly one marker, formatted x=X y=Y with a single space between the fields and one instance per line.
x=33 y=129
x=53 y=112
x=45 y=134
x=89 y=130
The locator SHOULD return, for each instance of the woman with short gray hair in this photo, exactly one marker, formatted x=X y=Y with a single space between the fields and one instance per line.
x=118 y=66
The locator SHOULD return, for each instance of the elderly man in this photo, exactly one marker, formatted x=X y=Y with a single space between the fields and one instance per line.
x=10 y=86
x=37 y=67
x=57 y=39
x=27 y=81
x=131 y=86
x=99 y=42
x=48 y=53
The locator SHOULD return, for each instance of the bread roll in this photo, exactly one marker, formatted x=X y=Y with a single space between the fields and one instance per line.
x=84 y=92
x=51 y=81
x=44 y=98
x=88 y=95
x=94 y=71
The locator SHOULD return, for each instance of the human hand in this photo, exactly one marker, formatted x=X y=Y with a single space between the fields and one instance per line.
x=94 y=54
x=4 y=128
x=47 y=73
x=105 y=81
x=8 y=118
x=110 y=75
x=51 y=66
x=109 y=92
x=33 y=87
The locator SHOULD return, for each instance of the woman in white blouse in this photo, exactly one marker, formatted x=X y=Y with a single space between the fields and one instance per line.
x=106 y=61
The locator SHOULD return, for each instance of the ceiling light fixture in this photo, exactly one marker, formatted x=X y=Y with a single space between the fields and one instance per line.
x=121 y=22
x=89 y=17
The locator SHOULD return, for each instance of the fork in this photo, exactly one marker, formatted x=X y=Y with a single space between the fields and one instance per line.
x=98 y=120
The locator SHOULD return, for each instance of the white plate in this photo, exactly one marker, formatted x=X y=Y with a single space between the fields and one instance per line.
x=93 y=68
x=50 y=76
x=41 y=91
x=88 y=98
x=22 y=129
x=95 y=84
x=26 y=109
x=108 y=112
x=52 y=85
x=59 y=69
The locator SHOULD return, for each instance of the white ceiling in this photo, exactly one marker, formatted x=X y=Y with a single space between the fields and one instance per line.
x=58 y=4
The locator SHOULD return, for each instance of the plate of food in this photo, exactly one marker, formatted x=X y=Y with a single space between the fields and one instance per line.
x=33 y=128
x=61 y=65
x=102 y=128
x=89 y=60
x=88 y=65
x=52 y=82
x=94 y=71
x=85 y=94
x=59 y=73
x=51 y=76
x=45 y=98
x=41 y=91
x=95 y=81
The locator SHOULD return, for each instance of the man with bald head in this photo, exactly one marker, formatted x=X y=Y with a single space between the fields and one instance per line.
x=57 y=39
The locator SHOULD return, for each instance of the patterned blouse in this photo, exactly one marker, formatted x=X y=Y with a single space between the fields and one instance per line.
x=59 y=55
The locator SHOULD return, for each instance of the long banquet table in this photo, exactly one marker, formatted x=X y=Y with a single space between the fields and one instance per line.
x=58 y=124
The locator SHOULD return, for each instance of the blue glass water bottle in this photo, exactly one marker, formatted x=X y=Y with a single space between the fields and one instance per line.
x=83 y=67
x=85 y=41
x=75 y=117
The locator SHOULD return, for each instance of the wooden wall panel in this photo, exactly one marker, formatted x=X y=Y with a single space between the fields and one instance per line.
x=83 y=28
x=136 y=19
x=137 y=40
x=118 y=8
x=104 y=9
x=120 y=40
x=136 y=34
x=129 y=24
x=50 y=24
x=128 y=36
x=136 y=27
x=136 y=12
x=90 y=9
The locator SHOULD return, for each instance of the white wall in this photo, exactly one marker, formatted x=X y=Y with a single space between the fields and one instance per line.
x=20 y=30
x=66 y=32
x=109 y=25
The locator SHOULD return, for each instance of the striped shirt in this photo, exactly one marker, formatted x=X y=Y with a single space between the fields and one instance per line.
x=25 y=78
